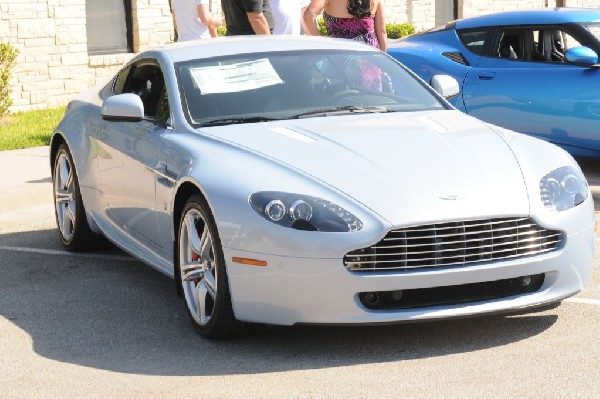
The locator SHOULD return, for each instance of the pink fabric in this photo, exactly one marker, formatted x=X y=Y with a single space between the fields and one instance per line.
x=359 y=29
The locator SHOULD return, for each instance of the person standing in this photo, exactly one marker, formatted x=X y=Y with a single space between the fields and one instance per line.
x=247 y=17
x=361 y=20
x=288 y=15
x=193 y=20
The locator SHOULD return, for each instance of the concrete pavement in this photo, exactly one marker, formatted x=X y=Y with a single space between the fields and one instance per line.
x=26 y=185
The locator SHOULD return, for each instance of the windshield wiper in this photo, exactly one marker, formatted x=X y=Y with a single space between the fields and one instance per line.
x=346 y=109
x=237 y=120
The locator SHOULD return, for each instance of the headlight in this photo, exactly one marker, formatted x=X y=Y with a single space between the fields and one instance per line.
x=563 y=188
x=303 y=212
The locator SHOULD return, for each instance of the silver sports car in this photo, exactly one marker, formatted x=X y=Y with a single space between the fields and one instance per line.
x=288 y=180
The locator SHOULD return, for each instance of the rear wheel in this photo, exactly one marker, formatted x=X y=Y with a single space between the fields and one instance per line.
x=73 y=229
x=200 y=271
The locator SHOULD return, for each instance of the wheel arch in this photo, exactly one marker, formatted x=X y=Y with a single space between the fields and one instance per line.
x=184 y=192
x=56 y=141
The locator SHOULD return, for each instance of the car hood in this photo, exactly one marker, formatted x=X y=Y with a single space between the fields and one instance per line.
x=407 y=167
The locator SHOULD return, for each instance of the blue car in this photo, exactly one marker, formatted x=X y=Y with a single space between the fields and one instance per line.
x=535 y=71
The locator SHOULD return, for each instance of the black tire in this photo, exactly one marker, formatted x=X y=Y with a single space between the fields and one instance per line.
x=204 y=278
x=73 y=229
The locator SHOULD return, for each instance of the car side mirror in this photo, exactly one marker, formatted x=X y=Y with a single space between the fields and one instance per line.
x=123 y=107
x=581 y=56
x=445 y=85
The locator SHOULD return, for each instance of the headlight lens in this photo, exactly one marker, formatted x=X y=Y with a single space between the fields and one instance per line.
x=303 y=212
x=563 y=188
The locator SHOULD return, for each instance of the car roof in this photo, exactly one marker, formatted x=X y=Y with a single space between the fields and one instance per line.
x=232 y=45
x=531 y=17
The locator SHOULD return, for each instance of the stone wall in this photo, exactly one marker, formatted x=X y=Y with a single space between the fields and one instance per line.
x=53 y=63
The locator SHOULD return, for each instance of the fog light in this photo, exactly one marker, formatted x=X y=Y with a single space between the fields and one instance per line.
x=371 y=298
x=396 y=295
x=525 y=281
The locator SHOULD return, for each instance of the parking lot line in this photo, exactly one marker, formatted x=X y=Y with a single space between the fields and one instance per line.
x=585 y=301
x=66 y=253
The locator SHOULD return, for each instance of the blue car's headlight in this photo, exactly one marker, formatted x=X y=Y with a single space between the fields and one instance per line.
x=563 y=188
x=303 y=212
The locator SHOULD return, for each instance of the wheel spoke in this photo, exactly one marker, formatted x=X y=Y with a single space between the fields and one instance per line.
x=67 y=224
x=193 y=236
x=206 y=247
x=63 y=197
x=211 y=284
x=64 y=172
x=201 y=292
x=191 y=271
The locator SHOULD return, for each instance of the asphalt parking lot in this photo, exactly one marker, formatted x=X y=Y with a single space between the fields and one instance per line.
x=105 y=325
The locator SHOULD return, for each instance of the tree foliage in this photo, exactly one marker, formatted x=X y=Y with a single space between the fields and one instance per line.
x=8 y=55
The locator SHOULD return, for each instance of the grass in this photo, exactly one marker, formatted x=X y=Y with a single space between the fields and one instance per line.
x=28 y=129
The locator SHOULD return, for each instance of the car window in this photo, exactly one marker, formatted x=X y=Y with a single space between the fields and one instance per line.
x=594 y=29
x=476 y=40
x=120 y=80
x=146 y=80
x=283 y=85
x=539 y=44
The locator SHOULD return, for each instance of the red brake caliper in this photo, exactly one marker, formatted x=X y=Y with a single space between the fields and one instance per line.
x=196 y=257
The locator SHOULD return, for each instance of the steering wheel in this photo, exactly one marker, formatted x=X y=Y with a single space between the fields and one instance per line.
x=343 y=93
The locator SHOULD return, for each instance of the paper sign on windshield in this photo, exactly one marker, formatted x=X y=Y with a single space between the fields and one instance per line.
x=232 y=78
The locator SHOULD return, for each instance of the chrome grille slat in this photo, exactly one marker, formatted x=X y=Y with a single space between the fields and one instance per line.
x=545 y=238
x=465 y=233
x=454 y=244
x=449 y=257
x=533 y=246
x=428 y=266
x=472 y=223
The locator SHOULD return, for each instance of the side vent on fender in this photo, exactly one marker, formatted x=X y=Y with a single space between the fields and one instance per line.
x=456 y=57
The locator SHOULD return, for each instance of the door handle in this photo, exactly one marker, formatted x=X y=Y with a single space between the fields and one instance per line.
x=162 y=170
x=487 y=75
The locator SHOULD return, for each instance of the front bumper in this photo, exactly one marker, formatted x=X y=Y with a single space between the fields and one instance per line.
x=321 y=291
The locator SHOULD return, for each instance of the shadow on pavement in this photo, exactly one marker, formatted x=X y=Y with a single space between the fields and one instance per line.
x=121 y=315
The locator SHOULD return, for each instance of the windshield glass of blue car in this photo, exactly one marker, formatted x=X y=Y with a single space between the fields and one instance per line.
x=260 y=87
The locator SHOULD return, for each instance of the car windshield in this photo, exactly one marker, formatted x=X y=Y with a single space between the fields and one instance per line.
x=260 y=87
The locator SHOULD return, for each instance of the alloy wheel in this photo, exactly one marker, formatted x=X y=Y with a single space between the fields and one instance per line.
x=197 y=266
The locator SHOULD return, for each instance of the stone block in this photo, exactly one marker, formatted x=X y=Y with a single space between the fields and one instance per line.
x=74 y=59
x=62 y=72
x=35 y=43
x=71 y=35
x=34 y=28
x=69 y=12
x=79 y=84
x=24 y=9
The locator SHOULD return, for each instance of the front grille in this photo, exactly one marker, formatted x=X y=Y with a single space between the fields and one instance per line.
x=456 y=57
x=455 y=244
x=451 y=295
